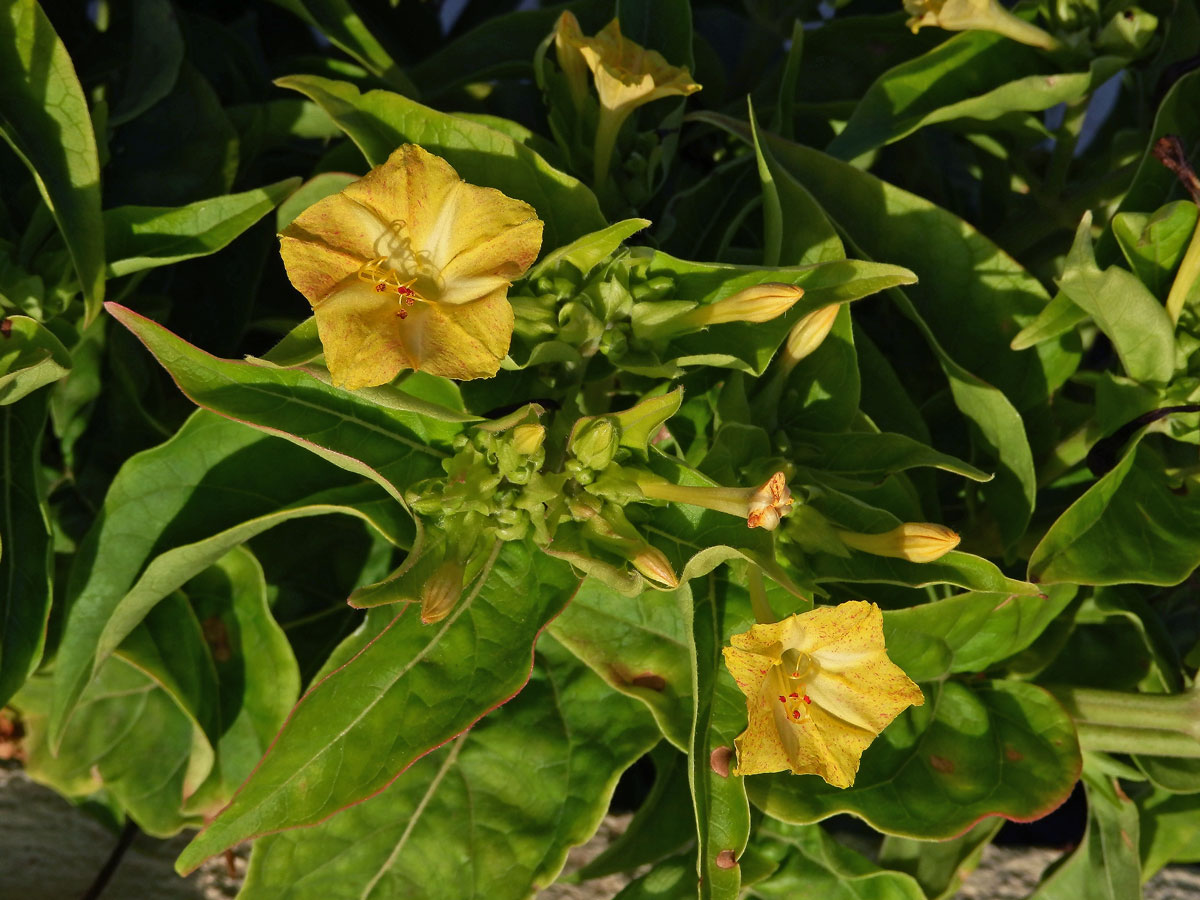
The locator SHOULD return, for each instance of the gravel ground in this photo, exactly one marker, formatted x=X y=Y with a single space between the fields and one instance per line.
x=50 y=850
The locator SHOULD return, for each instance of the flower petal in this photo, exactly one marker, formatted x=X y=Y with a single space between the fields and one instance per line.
x=463 y=342
x=361 y=334
x=327 y=242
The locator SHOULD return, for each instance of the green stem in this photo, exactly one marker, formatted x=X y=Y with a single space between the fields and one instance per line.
x=1026 y=32
x=1185 y=278
x=607 y=129
x=763 y=614
x=1114 y=739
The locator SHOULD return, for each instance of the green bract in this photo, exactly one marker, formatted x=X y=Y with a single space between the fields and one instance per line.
x=872 y=368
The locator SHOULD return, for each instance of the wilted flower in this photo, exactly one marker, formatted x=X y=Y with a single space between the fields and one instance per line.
x=761 y=507
x=625 y=73
x=919 y=542
x=819 y=689
x=409 y=268
x=975 y=15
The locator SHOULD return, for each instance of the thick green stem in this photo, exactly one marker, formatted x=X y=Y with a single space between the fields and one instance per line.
x=1116 y=722
x=607 y=129
x=1185 y=278
x=763 y=614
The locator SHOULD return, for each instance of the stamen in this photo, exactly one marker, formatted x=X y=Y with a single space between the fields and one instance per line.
x=807 y=699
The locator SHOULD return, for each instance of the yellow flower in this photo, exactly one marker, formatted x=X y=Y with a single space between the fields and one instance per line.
x=625 y=73
x=819 y=689
x=979 y=15
x=409 y=268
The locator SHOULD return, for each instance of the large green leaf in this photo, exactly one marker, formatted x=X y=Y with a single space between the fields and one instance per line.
x=1001 y=748
x=1132 y=525
x=143 y=237
x=155 y=55
x=25 y=544
x=939 y=866
x=536 y=776
x=975 y=75
x=876 y=454
x=30 y=357
x=818 y=866
x=174 y=510
x=638 y=645
x=1170 y=830
x=379 y=121
x=1123 y=308
x=410 y=690
x=390 y=444
x=967 y=632
x=44 y=117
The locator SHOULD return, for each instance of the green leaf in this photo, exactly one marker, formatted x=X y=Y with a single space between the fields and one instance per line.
x=337 y=21
x=143 y=545
x=719 y=715
x=155 y=55
x=876 y=454
x=817 y=865
x=536 y=776
x=974 y=296
x=796 y=230
x=1106 y=864
x=661 y=825
x=671 y=879
x=969 y=76
x=964 y=570
x=637 y=644
x=30 y=357
x=128 y=737
x=1130 y=526
x=316 y=188
x=342 y=743
x=967 y=632
x=388 y=443
x=1154 y=243
x=44 y=117
x=1136 y=323
x=145 y=237
x=379 y=121
x=1170 y=830
x=588 y=251
x=1001 y=748
x=26 y=550
x=939 y=867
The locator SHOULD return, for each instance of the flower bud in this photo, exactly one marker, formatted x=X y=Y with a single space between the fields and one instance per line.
x=918 y=542
x=653 y=563
x=757 y=303
x=595 y=441
x=808 y=334
x=527 y=439
x=441 y=591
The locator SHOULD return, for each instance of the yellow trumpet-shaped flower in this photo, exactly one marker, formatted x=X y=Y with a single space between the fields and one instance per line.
x=409 y=268
x=625 y=73
x=975 y=15
x=819 y=689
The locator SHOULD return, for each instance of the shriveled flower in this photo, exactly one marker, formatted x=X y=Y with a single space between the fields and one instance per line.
x=761 y=507
x=819 y=689
x=975 y=15
x=625 y=73
x=409 y=268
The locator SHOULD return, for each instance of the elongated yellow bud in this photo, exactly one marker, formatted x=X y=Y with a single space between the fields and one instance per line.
x=975 y=15
x=807 y=335
x=757 y=303
x=441 y=592
x=919 y=542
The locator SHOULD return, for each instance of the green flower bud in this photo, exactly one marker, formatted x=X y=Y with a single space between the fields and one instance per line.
x=595 y=441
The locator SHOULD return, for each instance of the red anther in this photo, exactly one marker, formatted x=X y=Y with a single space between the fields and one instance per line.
x=807 y=699
x=795 y=713
x=794 y=695
x=410 y=301
x=404 y=290
x=782 y=699
x=380 y=288
x=402 y=314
